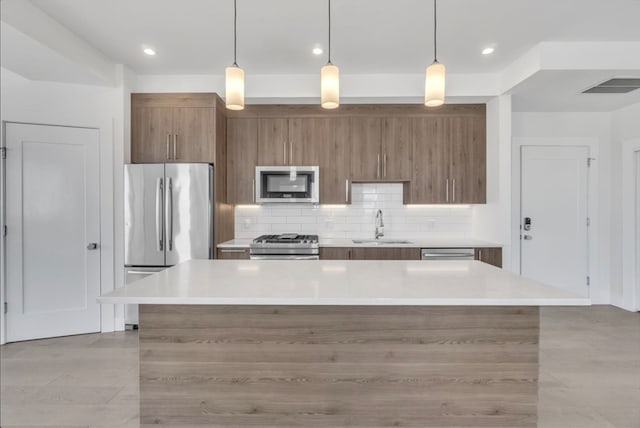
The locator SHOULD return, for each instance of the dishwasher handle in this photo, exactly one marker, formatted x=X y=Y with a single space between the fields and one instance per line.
x=448 y=254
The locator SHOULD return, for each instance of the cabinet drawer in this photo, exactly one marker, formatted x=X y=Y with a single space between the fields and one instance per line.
x=233 y=253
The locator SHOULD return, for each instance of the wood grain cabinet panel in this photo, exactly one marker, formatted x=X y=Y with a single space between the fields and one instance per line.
x=334 y=161
x=233 y=253
x=492 y=256
x=273 y=142
x=397 y=148
x=335 y=253
x=151 y=134
x=242 y=148
x=430 y=161
x=467 y=140
x=365 y=136
x=365 y=253
x=193 y=134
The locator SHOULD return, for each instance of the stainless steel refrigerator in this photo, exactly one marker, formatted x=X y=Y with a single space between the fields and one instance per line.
x=168 y=218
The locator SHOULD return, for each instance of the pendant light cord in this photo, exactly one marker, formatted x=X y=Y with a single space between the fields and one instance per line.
x=329 y=50
x=435 y=31
x=235 y=32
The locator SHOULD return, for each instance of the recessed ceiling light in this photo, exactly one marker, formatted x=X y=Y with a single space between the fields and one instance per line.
x=488 y=51
x=317 y=51
x=149 y=51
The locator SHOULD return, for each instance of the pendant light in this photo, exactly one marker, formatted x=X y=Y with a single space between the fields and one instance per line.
x=234 y=75
x=434 y=80
x=329 y=79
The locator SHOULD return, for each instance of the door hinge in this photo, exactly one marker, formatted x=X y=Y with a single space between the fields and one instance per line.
x=6 y=307
x=589 y=161
x=588 y=280
x=4 y=152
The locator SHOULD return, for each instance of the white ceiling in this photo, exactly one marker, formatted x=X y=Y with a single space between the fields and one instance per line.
x=369 y=36
x=381 y=47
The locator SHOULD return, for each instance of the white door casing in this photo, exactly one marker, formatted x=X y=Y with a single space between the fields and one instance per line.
x=554 y=194
x=53 y=214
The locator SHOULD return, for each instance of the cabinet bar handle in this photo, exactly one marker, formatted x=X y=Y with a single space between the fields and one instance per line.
x=346 y=190
x=175 y=146
x=384 y=164
x=224 y=250
x=378 y=169
x=290 y=152
x=447 y=190
x=254 y=190
x=454 y=190
x=168 y=150
x=284 y=153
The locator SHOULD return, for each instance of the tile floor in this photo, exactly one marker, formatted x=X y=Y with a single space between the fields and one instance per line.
x=589 y=375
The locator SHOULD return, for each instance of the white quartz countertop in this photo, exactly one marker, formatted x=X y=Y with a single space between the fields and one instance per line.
x=339 y=282
x=414 y=243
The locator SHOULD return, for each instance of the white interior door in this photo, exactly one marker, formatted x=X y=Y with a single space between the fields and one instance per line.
x=53 y=218
x=554 y=197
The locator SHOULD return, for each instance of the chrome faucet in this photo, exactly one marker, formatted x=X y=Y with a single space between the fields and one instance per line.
x=379 y=224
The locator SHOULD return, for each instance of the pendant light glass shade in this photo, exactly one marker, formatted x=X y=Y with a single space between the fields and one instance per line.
x=234 y=75
x=330 y=86
x=234 y=87
x=434 y=85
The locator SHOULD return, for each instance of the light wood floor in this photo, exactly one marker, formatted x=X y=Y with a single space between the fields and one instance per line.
x=589 y=375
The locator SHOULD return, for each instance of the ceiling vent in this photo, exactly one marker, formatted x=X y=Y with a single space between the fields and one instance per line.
x=615 y=86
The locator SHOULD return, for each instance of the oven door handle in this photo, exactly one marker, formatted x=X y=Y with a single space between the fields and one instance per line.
x=283 y=257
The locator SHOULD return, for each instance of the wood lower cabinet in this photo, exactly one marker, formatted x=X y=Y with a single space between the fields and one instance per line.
x=335 y=253
x=492 y=256
x=233 y=253
x=242 y=159
x=368 y=253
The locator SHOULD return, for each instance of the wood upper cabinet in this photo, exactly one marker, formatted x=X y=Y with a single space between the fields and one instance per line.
x=449 y=160
x=397 y=149
x=193 y=134
x=467 y=139
x=381 y=148
x=492 y=256
x=273 y=142
x=242 y=158
x=173 y=128
x=151 y=134
x=327 y=144
x=430 y=161
x=365 y=138
x=307 y=137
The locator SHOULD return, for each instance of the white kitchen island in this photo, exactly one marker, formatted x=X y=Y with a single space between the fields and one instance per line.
x=339 y=343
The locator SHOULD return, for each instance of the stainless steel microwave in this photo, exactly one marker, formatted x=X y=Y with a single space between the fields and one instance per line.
x=284 y=184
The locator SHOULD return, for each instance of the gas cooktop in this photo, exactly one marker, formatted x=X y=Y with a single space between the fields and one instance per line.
x=287 y=238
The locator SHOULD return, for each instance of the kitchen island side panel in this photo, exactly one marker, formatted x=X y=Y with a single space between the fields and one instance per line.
x=338 y=366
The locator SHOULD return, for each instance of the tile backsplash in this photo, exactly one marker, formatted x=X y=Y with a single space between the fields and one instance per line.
x=357 y=220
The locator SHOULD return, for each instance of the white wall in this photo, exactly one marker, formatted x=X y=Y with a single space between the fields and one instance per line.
x=492 y=221
x=625 y=142
x=357 y=219
x=591 y=129
x=76 y=105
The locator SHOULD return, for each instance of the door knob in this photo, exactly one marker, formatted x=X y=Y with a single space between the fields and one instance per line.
x=92 y=246
x=527 y=237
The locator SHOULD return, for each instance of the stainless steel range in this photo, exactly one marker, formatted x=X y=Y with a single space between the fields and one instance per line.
x=288 y=246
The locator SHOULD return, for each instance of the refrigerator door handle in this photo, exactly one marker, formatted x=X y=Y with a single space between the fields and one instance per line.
x=159 y=205
x=168 y=218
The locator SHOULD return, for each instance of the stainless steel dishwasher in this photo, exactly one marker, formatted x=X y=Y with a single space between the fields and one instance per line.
x=447 y=254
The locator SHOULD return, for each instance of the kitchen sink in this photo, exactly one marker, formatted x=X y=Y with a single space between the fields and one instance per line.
x=380 y=241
